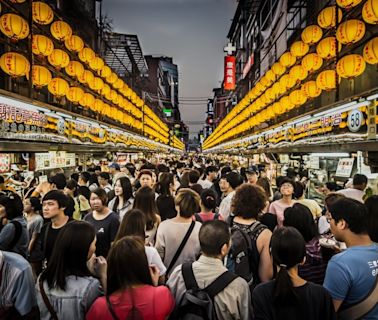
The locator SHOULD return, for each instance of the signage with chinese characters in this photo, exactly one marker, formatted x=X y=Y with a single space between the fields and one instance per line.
x=229 y=72
x=53 y=159
x=344 y=167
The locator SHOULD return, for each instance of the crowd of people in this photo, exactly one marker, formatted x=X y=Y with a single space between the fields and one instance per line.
x=188 y=238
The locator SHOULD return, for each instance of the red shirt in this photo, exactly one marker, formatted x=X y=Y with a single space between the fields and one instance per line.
x=208 y=216
x=152 y=303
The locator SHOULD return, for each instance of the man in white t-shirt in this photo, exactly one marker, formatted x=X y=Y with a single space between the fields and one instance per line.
x=357 y=191
x=211 y=174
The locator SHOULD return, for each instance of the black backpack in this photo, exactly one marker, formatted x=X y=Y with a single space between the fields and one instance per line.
x=198 y=303
x=243 y=258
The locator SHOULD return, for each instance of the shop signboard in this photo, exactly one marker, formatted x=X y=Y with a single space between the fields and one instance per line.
x=229 y=72
x=314 y=163
x=54 y=159
x=371 y=120
x=344 y=167
x=4 y=163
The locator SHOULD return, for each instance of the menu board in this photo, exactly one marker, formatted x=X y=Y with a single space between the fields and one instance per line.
x=344 y=168
x=54 y=159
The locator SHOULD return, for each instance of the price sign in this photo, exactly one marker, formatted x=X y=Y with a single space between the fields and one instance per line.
x=355 y=120
x=344 y=167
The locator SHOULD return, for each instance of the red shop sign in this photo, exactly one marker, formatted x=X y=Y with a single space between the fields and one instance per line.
x=229 y=72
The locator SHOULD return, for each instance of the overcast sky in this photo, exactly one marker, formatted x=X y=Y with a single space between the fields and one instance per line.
x=193 y=32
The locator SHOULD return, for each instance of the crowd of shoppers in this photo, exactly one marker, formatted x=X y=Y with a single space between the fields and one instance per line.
x=182 y=236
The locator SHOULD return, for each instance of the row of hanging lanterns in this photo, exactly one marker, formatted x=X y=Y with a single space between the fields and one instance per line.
x=16 y=65
x=352 y=65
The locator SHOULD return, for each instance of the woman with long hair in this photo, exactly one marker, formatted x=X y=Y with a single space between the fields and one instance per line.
x=372 y=207
x=67 y=288
x=32 y=210
x=132 y=291
x=123 y=200
x=145 y=201
x=134 y=224
x=105 y=221
x=289 y=296
x=301 y=218
x=165 y=202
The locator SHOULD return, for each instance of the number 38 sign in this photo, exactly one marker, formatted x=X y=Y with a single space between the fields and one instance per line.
x=355 y=120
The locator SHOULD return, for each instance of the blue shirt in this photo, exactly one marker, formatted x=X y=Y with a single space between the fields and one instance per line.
x=351 y=275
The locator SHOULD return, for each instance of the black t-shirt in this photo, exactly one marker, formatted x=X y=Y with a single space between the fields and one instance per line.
x=315 y=303
x=47 y=241
x=106 y=230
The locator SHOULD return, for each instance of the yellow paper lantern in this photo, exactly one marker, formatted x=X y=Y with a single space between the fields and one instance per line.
x=41 y=76
x=350 y=66
x=287 y=59
x=42 y=13
x=96 y=64
x=347 y=4
x=114 y=96
x=350 y=31
x=312 y=62
x=265 y=82
x=75 y=69
x=58 y=87
x=87 y=100
x=118 y=84
x=87 y=77
x=75 y=94
x=59 y=59
x=371 y=51
x=105 y=71
x=276 y=89
x=311 y=90
x=297 y=98
x=98 y=105
x=327 y=17
x=97 y=84
x=286 y=104
x=14 y=26
x=105 y=89
x=41 y=45
x=87 y=55
x=370 y=11
x=287 y=81
x=299 y=49
x=74 y=43
x=312 y=34
x=298 y=73
x=278 y=69
x=112 y=78
x=326 y=48
x=14 y=64
x=326 y=80
x=60 y=30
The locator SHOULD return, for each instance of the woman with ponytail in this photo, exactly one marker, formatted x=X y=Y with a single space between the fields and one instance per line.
x=208 y=205
x=289 y=296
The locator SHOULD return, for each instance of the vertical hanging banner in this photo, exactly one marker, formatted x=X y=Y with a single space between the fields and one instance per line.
x=229 y=72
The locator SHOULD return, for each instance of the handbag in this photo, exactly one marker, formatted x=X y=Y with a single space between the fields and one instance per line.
x=362 y=308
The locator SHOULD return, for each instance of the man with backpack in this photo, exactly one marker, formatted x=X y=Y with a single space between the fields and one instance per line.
x=205 y=288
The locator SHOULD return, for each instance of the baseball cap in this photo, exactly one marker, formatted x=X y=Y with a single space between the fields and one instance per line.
x=114 y=165
x=252 y=169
